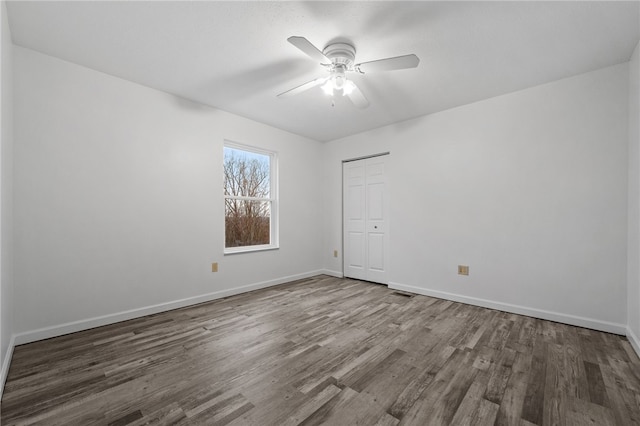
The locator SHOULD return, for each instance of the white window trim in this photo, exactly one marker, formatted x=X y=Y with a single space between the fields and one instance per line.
x=273 y=199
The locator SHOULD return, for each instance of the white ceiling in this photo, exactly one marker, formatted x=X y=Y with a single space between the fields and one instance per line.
x=234 y=55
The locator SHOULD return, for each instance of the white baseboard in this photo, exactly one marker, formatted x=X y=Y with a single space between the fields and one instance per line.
x=594 y=324
x=6 y=364
x=331 y=273
x=72 y=327
x=634 y=340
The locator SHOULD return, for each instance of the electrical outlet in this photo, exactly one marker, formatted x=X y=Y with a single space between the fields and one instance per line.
x=463 y=270
x=335 y=253
x=214 y=267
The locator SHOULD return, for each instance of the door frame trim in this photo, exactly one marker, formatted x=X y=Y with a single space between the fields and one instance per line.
x=364 y=158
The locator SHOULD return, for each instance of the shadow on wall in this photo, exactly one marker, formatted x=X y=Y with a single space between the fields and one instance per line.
x=190 y=105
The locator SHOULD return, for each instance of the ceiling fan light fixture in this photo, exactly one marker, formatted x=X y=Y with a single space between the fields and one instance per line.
x=327 y=88
x=348 y=87
x=338 y=81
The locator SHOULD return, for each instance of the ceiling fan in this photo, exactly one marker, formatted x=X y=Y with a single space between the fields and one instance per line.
x=338 y=59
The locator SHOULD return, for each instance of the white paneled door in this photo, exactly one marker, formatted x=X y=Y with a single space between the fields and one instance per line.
x=366 y=218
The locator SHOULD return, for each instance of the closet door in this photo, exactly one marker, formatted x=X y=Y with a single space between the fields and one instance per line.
x=366 y=211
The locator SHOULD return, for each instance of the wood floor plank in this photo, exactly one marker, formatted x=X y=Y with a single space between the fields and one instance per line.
x=311 y=405
x=328 y=409
x=418 y=385
x=330 y=351
x=442 y=397
x=596 y=386
x=623 y=412
x=583 y=413
x=510 y=408
x=533 y=407
x=554 y=411
x=467 y=411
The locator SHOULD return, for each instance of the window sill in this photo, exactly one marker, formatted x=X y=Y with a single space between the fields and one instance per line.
x=249 y=249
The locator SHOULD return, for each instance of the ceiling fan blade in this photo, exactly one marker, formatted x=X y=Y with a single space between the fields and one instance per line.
x=357 y=97
x=388 y=64
x=306 y=86
x=308 y=48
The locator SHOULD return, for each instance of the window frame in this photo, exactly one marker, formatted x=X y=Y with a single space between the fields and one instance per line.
x=273 y=200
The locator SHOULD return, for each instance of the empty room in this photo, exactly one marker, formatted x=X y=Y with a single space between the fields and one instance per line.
x=334 y=212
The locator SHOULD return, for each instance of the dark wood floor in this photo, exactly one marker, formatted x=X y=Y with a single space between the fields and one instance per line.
x=327 y=351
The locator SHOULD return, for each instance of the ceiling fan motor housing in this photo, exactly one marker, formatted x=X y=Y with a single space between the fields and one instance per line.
x=342 y=55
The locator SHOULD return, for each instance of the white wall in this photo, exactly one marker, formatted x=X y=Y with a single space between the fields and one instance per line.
x=633 y=267
x=118 y=200
x=117 y=206
x=6 y=204
x=529 y=189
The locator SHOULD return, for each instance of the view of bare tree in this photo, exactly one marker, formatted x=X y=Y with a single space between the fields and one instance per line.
x=246 y=190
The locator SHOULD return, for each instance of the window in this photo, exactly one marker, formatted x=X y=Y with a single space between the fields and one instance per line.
x=250 y=199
